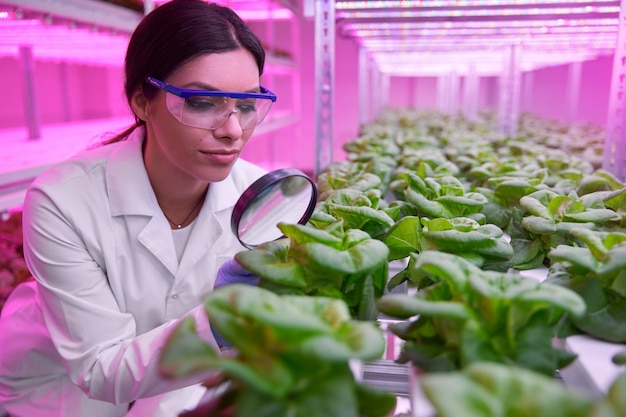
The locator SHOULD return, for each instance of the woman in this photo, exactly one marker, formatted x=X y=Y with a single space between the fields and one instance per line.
x=126 y=240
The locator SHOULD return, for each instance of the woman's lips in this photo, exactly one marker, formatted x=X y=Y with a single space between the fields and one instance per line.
x=222 y=157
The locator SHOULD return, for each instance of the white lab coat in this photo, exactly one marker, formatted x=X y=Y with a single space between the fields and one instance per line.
x=85 y=341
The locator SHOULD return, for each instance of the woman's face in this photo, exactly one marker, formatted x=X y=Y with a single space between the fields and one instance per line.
x=204 y=155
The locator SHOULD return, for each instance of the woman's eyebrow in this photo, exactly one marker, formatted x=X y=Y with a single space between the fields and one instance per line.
x=202 y=86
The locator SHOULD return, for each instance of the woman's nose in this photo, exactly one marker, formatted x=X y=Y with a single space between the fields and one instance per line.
x=231 y=126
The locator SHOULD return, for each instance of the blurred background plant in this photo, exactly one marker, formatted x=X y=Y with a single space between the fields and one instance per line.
x=13 y=268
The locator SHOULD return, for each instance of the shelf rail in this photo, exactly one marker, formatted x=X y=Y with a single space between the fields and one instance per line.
x=13 y=186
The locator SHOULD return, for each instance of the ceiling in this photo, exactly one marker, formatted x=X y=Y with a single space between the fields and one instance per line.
x=96 y=32
x=428 y=37
x=402 y=37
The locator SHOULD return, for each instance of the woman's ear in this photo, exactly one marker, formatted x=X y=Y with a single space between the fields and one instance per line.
x=140 y=105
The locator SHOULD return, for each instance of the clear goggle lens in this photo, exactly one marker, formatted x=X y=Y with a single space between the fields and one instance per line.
x=211 y=112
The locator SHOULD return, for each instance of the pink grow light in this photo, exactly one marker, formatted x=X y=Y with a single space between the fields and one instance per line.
x=62 y=42
x=406 y=25
x=254 y=10
x=390 y=4
x=495 y=12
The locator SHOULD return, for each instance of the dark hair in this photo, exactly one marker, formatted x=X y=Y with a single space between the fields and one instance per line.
x=175 y=33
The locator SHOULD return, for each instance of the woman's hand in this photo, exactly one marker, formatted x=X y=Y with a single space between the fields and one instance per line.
x=233 y=273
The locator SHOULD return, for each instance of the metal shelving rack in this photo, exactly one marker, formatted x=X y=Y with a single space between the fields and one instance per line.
x=324 y=82
x=404 y=38
x=614 y=158
x=501 y=38
x=112 y=20
x=282 y=70
x=86 y=16
x=99 y=13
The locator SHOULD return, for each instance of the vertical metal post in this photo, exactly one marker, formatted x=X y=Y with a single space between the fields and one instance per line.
x=377 y=94
x=470 y=93
x=270 y=78
x=614 y=157
x=364 y=87
x=443 y=93
x=324 y=82
x=148 y=6
x=453 y=93
x=296 y=78
x=31 y=109
x=573 y=90
x=65 y=88
x=448 y=92
x=385 y=86
x=527 y=93
x=508 y=104
x=416 y=92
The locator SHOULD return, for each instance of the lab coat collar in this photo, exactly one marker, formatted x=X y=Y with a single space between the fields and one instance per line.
x=130 y=193
x=129 y=188
x=128 y=185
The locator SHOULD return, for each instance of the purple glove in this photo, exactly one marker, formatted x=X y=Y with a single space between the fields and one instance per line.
x=231 y=273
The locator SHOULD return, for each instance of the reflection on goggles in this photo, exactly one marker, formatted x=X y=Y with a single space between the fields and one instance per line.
x=212 y=112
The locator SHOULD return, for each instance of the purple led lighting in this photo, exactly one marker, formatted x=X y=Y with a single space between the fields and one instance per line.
x=62 y=42
x=473 y=56
x=461 y=30
x=4 y=24
x=484 y=31
x=70 y=41
x=485 y=63
x=483 y=24
x=416 y=13
x=262 y=15
x=546 y=36
x=351 y=5
x=254 y=10
x=539 y=42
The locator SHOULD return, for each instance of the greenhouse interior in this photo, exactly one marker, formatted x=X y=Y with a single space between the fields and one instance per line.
x=465 y=239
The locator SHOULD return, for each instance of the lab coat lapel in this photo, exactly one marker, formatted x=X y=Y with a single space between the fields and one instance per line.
x=156 y=236
x=212 y=224
x=132 y=197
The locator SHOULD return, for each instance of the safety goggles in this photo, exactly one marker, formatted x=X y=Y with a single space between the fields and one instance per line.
x=210 y=109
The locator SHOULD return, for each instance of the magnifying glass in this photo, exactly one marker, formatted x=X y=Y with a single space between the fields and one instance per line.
x=285 y=195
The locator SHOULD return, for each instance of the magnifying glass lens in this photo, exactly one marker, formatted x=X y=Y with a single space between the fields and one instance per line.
x=287 y=196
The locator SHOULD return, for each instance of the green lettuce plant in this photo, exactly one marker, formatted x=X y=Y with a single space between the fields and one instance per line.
x=600 y=180
x=378 y=142
x=596 y=271
x=607 y=188
x=496 y=390
x=438 y=196
x=482 y=244
x=363 y=210
x=334 y=262
x=291 y=356
x=503 y=193
x=470 y=315
x=427 y=161
x=548 y=220
x=547 y=210
x=342 y=175
x=13 y=269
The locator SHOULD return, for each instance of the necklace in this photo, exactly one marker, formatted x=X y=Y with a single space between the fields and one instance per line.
x=180 y=225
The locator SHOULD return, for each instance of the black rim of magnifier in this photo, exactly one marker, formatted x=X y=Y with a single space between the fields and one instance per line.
x=260 y=185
